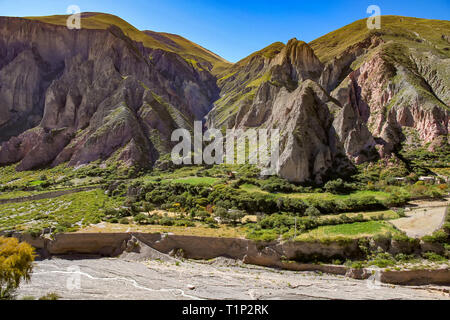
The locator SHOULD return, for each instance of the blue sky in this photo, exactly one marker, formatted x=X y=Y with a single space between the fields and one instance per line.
x=235 y=28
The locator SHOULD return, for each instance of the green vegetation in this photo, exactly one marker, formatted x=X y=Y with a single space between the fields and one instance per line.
x=16 y=264
x=227 y=106
x=268 y=52
x=66 y=213
x=197 y=180
x=234 y=200
x=399 y=261
x=257 y=82
x=50 y=297
x=392 y=28
x=421 y=159
x=441 y=236
x=314 y=228
x=355 y=229
x=230 y=201
x=198 y=195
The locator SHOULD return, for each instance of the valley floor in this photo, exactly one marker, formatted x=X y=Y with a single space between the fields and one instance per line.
x=114 y=279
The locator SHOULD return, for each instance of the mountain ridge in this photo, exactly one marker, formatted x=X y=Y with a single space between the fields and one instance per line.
x=97 y=20
x=111 y=92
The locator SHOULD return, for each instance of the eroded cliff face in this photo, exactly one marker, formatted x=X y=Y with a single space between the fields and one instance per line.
x=76 y=96
x=82 y=95
x=390 y=99
x=310 y=148
x=386 y=90
x=288 y=97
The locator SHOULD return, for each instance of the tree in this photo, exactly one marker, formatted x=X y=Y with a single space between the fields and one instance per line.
x=338 y=187
x=235 y=216
x=232 y=216
x=140 y=218
x=16 y=264
x=221 y=213
x=312 y=212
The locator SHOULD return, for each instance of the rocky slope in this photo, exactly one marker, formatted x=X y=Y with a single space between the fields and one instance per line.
x=110 y=91
x=397 y=89
x=281 y=90
x=83 y=95
x=382 y=89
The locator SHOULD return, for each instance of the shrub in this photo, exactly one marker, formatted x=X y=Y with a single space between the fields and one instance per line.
x=396 y=200
x=16 y=264
x=211 y=223
x=147 y=206
x=140 y=218
x=338 y=187
x=124 y=221
x=402 y=257
x=383 y=260
x=123 y=213
x=439 y=236
x=232 y=216
x=263 y=235
x=432 y=256
x=354 y=264
x=312 y=212
x=50 y=296
x=202 y=215
x=166 y=221
x=446 y=227
x=401 y=213
x=34 y=232
x=114 y=220
x=184 y=223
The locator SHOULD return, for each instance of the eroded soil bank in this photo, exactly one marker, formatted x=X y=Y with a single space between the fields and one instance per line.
x=281 y=255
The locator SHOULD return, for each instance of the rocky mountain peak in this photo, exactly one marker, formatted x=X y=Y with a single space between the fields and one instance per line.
x=300 y=58
x=111 y=92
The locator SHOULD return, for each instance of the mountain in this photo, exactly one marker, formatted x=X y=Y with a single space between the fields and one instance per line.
x=78 y=96
x=111 y=92
x=384 y=90
x=193 y=52
x=392 y=82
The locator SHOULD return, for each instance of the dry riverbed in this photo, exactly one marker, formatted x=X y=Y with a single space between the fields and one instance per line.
x=169 y=278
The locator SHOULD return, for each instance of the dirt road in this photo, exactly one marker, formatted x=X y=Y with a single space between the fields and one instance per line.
x=424 y=218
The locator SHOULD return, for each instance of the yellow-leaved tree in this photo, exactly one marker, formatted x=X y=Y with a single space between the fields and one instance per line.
x=16 y=264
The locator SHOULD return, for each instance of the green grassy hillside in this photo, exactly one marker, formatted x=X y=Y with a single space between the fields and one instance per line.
x=422 y=31
x=150 y=39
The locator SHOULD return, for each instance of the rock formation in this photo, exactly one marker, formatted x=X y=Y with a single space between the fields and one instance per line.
x=380 y=88
x=110 y=92
x=83 y=95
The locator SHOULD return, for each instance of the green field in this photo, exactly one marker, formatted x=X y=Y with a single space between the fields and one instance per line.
x=379 y=195
x=69 y=211
x=354 y=230
x=196 y=180
x=20 y=194
x=9 y=176
x=387 y=214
